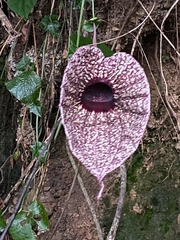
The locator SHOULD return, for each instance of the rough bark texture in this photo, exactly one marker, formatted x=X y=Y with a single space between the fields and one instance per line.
x=10 y=173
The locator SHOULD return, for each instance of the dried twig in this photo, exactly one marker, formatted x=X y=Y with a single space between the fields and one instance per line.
x=7 y=25
x=165 y=37
x=132 y=30
x=113 y=230
x=160 y=62
x=160 y=48
x=161 y=97
x=131 y=10
x=136 y=39
x=9 y=29
x=23 y=175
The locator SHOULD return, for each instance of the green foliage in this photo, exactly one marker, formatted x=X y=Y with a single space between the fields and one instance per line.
x=39 y=215
x=37 y=149
x=165 y=58
x=26 y=86
x=51 y=24
x=16 y=154
x=21 y=7
x=136 y=163
x=89 y=24
x=22 y=226
x=25 y=62
x=2 y=223
x=86 y=41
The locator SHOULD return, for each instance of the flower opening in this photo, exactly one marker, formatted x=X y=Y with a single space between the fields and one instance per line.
x=98 y=97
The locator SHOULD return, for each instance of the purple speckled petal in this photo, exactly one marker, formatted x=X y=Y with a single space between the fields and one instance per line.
x=102 y=141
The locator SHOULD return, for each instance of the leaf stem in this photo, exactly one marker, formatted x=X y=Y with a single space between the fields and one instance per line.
x=80 y=23
x=93 y=13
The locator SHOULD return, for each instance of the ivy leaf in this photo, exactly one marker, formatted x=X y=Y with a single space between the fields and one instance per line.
x=21 y=7
x=21 y=227
x=40 y=215
x=37 y=149
x=25 y=87
x=25 y=61
x=51 y=24
x=35 y=108
x=89 y=24
x=105 y=49
x=82 y=41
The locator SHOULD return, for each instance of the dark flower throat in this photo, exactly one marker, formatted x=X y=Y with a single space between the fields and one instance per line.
x=98 y=97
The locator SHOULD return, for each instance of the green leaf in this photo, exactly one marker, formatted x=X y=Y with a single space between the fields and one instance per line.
x=51 y=24
x=40 y=216
x=105 y=49
x=82 y=41
x=165 y=58
x=2 y=223
x=21 y=227
x=25 y=61
x=86 y=41
x=35 y=108
x=36 y=148
x=88 y=26
x=16 y=155
x=21 y=7
x=25 y=87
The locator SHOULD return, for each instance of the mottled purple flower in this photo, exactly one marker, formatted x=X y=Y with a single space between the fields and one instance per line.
x=105 y=106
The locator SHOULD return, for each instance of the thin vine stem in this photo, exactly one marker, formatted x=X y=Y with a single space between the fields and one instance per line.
x=93 y=12
x=80 y=23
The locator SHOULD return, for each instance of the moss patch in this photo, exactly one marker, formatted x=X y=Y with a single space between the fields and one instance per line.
x=152 y=201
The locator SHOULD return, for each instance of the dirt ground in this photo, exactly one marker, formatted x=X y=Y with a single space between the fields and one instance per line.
x=152 y=204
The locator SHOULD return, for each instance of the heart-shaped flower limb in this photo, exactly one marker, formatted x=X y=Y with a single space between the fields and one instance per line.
x=105 y=106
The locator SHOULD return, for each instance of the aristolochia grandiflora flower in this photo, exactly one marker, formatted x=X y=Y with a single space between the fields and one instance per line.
x=105 y=106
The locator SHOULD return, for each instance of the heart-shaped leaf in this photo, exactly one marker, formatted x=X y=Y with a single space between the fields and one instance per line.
x=40 y=215
x=25 y=87
x=21 y=227
x=21 y=7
